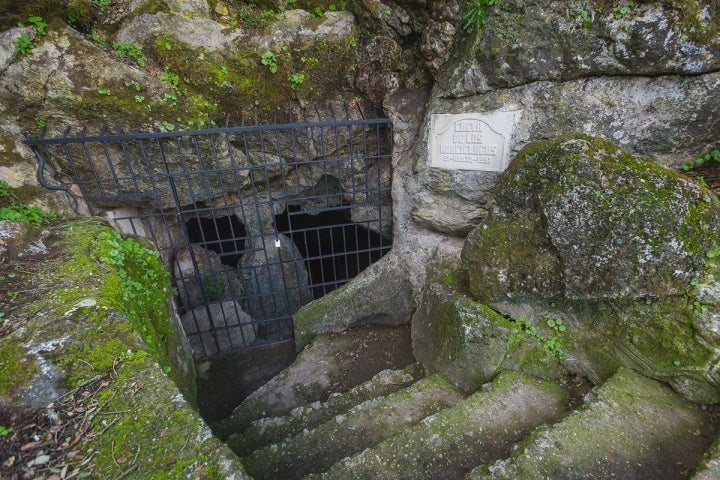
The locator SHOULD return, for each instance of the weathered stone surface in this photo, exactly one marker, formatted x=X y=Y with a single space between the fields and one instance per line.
x=665 y=118
x=378 y=296
x=328 y=365
x=594 y=223
x=478 y=429
x=79 y=332
x=195 y=288
x=267 y=431
x=530 y=41
x=470 y=343
x=616 y=247
x=709 y=467
x=273 y=275
x=632 y=427
x=349 y=433
x=232 y=328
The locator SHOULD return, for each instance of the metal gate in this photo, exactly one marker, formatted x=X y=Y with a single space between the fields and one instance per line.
x=254 y=221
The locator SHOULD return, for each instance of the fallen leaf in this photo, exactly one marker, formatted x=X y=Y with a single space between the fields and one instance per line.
x=29 y=446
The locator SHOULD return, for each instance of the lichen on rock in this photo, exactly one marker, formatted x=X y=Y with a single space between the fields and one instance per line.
x=613 y=245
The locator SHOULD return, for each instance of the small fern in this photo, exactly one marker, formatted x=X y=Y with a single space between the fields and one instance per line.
x=475 y=14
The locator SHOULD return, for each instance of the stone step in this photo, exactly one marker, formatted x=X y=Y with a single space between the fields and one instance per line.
x=631 y=427
x=330 y=364
x=361 y=427
x=267 y=431
x=479 y=429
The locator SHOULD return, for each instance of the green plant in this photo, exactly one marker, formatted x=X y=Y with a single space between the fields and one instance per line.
x=102 y=4
x=97 y=38
x=39 y=24
x=139 y=98
x=26 y=213
x=169 y=78
x=10 y=210
x=23 y=44
x=318 y=12
x=620 y=10
x=5 y=431
x=132 y=84
x=713 y=252
x=104 y=91
x=129 y=50
x=213 y=287
x=702 y=159
x=699 y=307
x=137 y=268
x=556 y=324
x=584 y=19
x=40 y=122
x=475 y=15
x=296 y=79
x=552 y=344
x=269 y=60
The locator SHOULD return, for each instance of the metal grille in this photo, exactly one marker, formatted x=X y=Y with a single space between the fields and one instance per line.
x=254 y=221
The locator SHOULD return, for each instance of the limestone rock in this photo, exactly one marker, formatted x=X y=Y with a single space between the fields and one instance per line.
x=614 y=246
x=615 y=434
x=470 y=343
x=378 y=296
x=209 y=283
x=530 y=41
x=80 y=335
x=661 y=121
x=588 y=221
x=218 y=327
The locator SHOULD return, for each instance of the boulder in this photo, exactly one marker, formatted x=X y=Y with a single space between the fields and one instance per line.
x=210 y=282
x=219 y=327
x=470 y=343
x=619 y=249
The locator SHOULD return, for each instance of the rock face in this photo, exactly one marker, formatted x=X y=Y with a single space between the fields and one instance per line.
x=617 y=248
x=644 y=77
x=79 y=337
x=273 y=275
x=615 y=434
x=581 y=219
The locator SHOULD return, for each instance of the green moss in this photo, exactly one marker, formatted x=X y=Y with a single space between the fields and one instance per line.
x=16 y=367
x=168 y=440
x=692 y=21
x=151 y=6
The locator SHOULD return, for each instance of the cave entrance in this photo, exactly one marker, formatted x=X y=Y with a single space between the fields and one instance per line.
x=254 y=221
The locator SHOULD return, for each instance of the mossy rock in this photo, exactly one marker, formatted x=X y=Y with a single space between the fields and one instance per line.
x=471 y=343
x=107 y=324
x=619 y=248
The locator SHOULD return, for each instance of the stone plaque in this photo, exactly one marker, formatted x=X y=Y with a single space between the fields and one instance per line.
x=471 y=141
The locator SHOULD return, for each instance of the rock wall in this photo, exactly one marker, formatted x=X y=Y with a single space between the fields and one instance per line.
x=644 y=77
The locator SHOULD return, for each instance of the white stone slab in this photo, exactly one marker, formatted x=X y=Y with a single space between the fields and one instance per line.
x=471 y=141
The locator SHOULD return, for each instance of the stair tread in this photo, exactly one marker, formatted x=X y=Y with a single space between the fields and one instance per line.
x=476 y=430
x=266 y=431
x=362 y=426
x=327 y=365
x=632 y=428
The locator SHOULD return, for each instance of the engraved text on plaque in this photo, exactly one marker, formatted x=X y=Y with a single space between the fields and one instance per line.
x=471 y=141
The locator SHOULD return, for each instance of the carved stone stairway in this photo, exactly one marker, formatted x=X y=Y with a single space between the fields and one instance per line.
x=401 y=424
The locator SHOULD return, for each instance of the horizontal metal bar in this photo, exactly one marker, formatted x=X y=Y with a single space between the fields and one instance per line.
x=124 y=137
